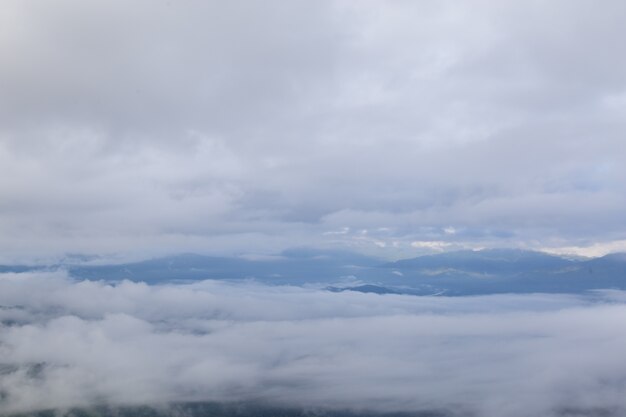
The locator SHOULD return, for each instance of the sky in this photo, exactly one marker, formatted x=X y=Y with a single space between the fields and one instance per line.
x=83 y=343
x=391 y=128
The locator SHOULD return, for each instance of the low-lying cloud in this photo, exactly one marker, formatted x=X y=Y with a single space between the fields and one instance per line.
x=66 y=343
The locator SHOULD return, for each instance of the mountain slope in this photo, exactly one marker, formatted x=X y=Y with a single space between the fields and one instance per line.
x=452 y=273
x=492 y=261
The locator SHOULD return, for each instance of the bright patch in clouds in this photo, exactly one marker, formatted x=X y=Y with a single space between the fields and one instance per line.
x=435 y=245
x=592 y=251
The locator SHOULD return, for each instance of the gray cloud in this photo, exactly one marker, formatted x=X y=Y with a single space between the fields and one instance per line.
x=163 y=126
x=67 y=343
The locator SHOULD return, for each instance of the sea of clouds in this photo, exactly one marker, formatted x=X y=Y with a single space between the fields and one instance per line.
x=65 y=343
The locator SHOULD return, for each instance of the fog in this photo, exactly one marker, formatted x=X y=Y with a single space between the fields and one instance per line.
x=66 y=343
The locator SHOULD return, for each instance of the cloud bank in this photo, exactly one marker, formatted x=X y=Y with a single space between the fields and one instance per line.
x=66 y=343
x=162 y=126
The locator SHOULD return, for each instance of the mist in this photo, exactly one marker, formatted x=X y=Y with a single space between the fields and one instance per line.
x=66 y=344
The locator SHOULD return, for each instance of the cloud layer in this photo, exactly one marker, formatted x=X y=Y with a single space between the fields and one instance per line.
x=163 y=126
x=67 y=343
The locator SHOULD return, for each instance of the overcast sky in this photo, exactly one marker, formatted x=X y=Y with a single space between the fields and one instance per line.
x=247 y=127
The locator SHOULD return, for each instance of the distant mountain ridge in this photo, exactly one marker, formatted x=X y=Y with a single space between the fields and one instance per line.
x=513 y=270
x=463 y=272
x=485 y=261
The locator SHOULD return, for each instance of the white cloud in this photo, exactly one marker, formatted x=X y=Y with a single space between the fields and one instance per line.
x=505 y=355
x=158 y=126
x=435 y=245
x=592 y=250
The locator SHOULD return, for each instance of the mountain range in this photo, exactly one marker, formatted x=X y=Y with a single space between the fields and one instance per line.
x=465 y=272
